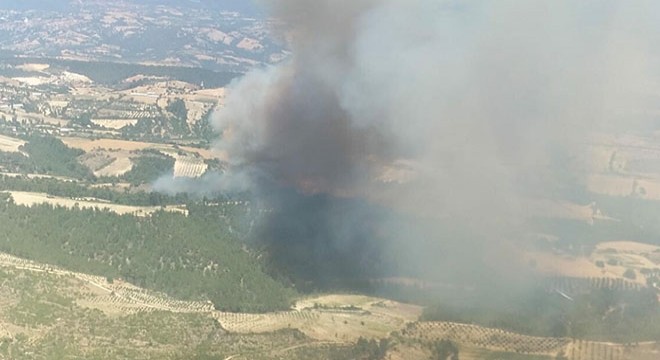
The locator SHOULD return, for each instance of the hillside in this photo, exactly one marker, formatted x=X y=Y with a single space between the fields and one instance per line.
x=49 y=311
x=359 y=180
x=190 y=257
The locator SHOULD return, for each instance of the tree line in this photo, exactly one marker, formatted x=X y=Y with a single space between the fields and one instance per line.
x=196 y=257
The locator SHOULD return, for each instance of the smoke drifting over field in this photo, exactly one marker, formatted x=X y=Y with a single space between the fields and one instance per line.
x=409 y=131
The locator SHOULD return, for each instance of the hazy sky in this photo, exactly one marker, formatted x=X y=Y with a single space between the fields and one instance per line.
x=246 y=7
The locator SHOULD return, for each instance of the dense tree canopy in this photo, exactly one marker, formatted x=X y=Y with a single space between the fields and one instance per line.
x=195 y=257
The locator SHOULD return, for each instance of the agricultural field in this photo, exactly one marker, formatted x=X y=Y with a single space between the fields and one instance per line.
x=190 y=167
x=625 y=165
x=562 y=209
x=328 y=325
x=611 y=231
x=329 y=318
x=30 y=199
x=40 y=300
x=98 y=312
x=110 y=296
x=10 y=144
x=478 y=342
x=627 y=261
x=40 y=318
x=640 y=262
x=115 y=158
x=93 y=308
x=113 y=162
x=114 y=123
x=552 y=264
x=88 y=145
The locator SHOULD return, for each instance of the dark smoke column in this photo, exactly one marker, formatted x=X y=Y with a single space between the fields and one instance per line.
x=409 y=133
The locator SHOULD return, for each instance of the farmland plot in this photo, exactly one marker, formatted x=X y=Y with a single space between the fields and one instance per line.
x=473 y=336
x=30 y=199
x=10 y=144
x=190 y=167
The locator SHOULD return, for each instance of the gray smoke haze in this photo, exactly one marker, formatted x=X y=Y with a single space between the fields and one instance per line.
x=427 y=123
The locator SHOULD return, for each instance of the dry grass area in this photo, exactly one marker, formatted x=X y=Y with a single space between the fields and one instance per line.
x=210 y=94
x=113 y=298
x=22 y=116
x=119 y=166
x=488 y=338
x=622 y=185
x=249 y=44
x=624 y=165
x=196 y=109
x=559 y=209
x=608 y=184
x=115 y=124
x=329 y=318
x=552 y=264
x=88 y=145
x=33 y=67
x=198 y=101
x=628 y=247
x=92 y=92
x=476 y=342
x=325 y=318
x=10 y=144
x=614 y=258
x=622 y=256
x=116 y=162
x=120 y=298
x=108 y=162
x=34 y=80
x=30 y=199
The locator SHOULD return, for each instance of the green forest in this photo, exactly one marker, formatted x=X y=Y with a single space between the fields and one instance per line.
x=46 y=155
x=194 y=257
x=149 y=168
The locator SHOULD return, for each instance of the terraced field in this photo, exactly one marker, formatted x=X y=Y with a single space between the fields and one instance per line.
x=494 y=339
x=190 y=167
x=89 y=144
x=327 y=325
x=478 y=341
x=116 y=297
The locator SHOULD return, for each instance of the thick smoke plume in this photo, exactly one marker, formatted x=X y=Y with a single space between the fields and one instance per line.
x=407 y=134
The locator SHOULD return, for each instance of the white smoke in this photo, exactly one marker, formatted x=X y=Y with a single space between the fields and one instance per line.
x=444 y=109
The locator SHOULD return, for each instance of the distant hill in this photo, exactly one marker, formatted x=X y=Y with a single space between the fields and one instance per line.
x=105 y=72
x=246 y=7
